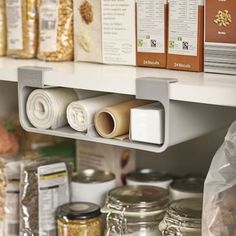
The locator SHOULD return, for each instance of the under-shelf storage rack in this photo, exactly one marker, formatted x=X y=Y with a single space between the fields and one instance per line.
x=195 y=103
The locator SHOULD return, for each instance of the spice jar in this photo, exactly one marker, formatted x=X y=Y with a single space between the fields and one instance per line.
x=80 y=219
x=149 y=177
x=135 y=210
x=187 y=188
x=183 y=217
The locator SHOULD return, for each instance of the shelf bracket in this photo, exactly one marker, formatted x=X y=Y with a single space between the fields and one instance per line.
x=29 y=78
x=157 y=89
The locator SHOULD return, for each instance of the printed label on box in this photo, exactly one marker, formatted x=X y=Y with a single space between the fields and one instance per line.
x=183 y=27
x=53 y=187
x=14 y=25
x=48 y=26
x=118 y=32
x=151 y=26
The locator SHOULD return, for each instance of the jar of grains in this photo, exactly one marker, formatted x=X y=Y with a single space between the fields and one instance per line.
x=80 y=219
x=183 y=217
x=135 y=210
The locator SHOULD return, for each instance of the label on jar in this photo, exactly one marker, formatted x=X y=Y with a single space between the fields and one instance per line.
x=118 y=32
x=53 y=188
x=14 y=25
x=183 y=30
x=151 y=26
x=48 y=24
x=11 y=222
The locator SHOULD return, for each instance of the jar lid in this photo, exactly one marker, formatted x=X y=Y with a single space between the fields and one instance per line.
x=138 y=198
x=183 y=216
x=191 y=185
x=148 y=175
x=93 y=176
x=78 y=211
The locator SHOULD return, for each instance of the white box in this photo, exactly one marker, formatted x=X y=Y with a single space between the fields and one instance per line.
x=118 y=160
x=147 y=123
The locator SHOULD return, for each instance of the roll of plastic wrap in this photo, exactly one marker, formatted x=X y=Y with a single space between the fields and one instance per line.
x=80 y=114
x=46 y=108
x=114 y=121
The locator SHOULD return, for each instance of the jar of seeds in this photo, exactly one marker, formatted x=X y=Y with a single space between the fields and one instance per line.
x=80 y=219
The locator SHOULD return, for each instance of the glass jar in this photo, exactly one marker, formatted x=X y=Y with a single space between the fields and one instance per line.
x=190 y=187
x=80 y=219
x=182 y=218
x=149 y=177
x=135 y=210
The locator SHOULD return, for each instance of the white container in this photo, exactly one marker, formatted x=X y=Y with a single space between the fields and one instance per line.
x=149 y=177
x=187 y=188
x=92 y=185
x=147 y=123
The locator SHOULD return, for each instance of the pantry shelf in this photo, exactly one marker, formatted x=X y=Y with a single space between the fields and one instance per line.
x=215 y=89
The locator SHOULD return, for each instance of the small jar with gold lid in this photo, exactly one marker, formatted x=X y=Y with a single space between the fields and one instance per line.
x=80 y=219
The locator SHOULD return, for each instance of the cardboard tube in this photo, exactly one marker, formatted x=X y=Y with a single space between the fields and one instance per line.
x=114 y=121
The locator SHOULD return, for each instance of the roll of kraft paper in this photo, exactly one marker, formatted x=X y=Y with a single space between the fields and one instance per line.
x=46 y=108
x=80 y=114
x=114 y=121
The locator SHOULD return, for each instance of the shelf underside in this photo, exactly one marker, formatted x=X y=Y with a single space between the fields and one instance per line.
x=195 y=87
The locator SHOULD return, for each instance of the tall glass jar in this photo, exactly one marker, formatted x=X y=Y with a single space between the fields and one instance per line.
x=182 y=218
x=135 y=210
x=80 y=219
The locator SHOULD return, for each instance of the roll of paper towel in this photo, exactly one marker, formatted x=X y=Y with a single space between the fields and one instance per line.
x=46 y=108
x=80 y=114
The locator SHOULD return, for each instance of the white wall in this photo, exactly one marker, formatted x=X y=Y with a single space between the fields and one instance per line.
x=8 y=98
x=190 y=157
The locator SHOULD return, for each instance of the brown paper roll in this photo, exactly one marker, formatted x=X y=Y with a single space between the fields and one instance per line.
x=114 y=121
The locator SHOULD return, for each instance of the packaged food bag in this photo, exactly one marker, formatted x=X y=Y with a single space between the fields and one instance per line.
x=219 y=207
x=44 y=186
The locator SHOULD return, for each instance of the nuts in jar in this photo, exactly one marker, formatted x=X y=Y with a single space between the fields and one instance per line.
x=56 y=30
x=80 y=219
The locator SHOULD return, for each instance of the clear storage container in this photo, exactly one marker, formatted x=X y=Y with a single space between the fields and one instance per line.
x=56 y=30
x=182 y=218
x=135 y=210
x=80 y=219
x=22 y=28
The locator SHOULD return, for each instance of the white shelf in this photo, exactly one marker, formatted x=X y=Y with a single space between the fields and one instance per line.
x=206 y=88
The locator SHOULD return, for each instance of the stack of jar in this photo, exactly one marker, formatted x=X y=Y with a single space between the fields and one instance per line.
x=152 y=204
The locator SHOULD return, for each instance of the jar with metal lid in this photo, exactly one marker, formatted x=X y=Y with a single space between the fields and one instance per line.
x=183 y=218
x=80 y=219
x=97 y=182
x=135 y=210
x=149 y=177
x=187 y=188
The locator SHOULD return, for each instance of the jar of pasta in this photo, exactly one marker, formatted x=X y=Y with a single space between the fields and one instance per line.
x=56 y=30
x=135 y=210
x=22 y=28
x=183 y=217
x=80 y=219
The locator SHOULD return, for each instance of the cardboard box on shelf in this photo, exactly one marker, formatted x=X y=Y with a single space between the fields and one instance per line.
x=220 y=36
x=118 y=160
x=186 y=35
x=105 y=31
x=152 y=24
